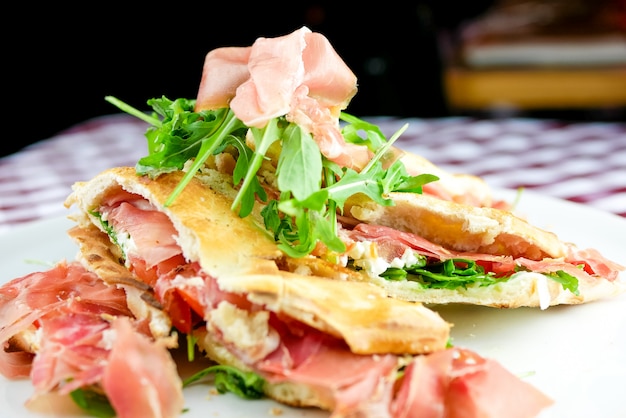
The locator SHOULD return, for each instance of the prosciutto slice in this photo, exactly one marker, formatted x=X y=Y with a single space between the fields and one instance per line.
x=393 y=243
x=298 y=75
x=30 y=302
x=85 y=335
x=457 y=383
x=153 y=236
x=155 y=389
x=258 y=82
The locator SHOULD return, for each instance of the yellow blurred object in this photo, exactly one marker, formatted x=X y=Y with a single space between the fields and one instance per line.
x=540 y=55
x=534 y=88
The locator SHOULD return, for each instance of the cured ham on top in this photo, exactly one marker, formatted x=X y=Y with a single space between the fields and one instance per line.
x=300 y=76
x=259 y=82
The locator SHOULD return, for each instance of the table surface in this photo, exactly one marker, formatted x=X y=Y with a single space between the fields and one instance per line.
x=584 y=162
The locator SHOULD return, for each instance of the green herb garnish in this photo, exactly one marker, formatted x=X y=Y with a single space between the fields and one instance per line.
x=247 y=385
x=458 y=272
x=93 y=403
x=312 y=188
x=568 y=281
x=448 y=274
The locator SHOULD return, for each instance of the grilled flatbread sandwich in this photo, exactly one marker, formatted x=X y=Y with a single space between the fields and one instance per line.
x=338 y=345
x=479 y=255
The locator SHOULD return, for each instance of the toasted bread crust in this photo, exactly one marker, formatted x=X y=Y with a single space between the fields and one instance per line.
x=459 y=227
x=99 y=255
x=457 y=187
x=360 y=313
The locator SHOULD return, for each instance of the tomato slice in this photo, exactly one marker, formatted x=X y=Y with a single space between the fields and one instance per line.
x=179 y=312
x=147 y=276
x=190 y=296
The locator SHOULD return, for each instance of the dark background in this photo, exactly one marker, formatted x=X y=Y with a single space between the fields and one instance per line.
x=61 y=62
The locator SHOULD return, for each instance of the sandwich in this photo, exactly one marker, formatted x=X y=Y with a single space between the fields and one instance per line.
x=268 y=129
x=496 y=257
x=149 y=277
x=338 y=345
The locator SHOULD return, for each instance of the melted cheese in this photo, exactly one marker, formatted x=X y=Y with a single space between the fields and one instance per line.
x=365 y=256
x=250 y=332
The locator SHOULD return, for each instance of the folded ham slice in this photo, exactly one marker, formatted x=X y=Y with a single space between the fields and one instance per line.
x=298 y=75
x=66 y=330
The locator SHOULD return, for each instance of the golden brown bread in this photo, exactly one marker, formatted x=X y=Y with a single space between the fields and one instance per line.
x=246 y=248
x=459 y=227
x=456 y=187
x=359 y=313
x=25 y=340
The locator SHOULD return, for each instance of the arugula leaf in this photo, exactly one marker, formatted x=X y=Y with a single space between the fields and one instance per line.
x=263 y=139
x=209 y=143
x=107 y=227
x=132 y=111
x=179 y=134
x=366 y=182
x=299 y=167
x=566 y=280
x=447 y=274
x=274 y=222
x=93 y=403
x=396 y=179
x=246 y=196
x=306 y=227
x=247 y=385
x=191 y=344
x=458 y=272
x=374 y=138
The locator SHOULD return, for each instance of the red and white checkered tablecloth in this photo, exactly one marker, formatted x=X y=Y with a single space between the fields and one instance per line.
x=581 y=162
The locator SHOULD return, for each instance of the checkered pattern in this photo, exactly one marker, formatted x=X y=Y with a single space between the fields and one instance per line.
x=581 y=162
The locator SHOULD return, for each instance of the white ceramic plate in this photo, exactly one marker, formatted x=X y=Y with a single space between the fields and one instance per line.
x=575 y=354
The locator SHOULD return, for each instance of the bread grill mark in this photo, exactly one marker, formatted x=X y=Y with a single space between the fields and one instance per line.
x=99 y=253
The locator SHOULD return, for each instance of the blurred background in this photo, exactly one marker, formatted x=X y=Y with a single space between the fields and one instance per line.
x=426 y=59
